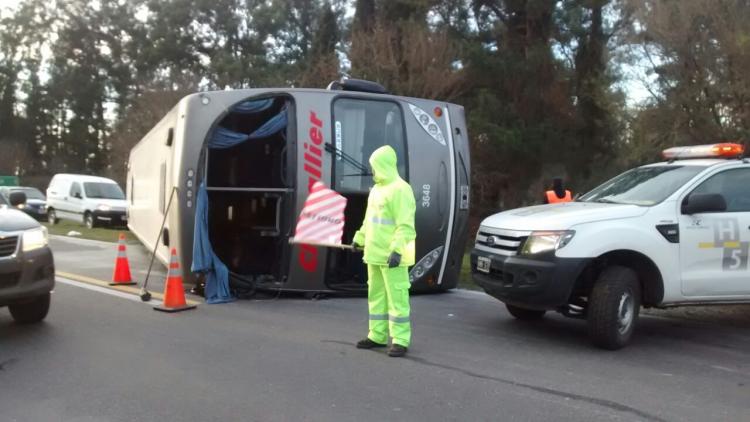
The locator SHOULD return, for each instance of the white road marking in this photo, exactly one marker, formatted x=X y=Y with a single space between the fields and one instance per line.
x=92 y=242
x=104 y=290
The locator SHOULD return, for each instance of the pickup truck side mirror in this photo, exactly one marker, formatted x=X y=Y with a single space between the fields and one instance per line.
x=699 y=203
x=17 y=198
x=77 y=195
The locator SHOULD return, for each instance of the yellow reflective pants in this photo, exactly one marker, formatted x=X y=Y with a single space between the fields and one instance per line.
x=388 y=302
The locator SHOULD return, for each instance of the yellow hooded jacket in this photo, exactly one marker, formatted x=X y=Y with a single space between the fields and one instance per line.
x=389 y=220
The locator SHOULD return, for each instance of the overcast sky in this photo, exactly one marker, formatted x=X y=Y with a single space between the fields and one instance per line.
x=5 y=3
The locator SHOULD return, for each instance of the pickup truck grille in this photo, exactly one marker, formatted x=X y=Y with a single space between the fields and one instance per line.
x=500 y=241
x=8 y=245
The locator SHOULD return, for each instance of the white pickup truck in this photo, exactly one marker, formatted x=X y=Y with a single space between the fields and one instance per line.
x=668 y=234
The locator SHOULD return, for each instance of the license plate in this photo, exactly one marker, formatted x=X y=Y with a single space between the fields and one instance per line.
x=483 y=264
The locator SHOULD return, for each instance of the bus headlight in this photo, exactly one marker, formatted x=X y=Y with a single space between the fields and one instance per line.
x=34 y=239
x=428 y=123
x=425 y=264
x=541 y=242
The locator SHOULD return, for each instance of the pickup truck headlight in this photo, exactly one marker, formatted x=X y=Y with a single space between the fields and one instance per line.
x=540 y=242
x=34 y=239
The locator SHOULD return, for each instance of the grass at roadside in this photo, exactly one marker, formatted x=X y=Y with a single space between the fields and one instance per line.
x=464 y=277
x=105 y=234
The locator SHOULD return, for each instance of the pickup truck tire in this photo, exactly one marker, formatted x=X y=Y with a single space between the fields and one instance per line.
x=31 y=311
x=614 y=305
x=525 y=314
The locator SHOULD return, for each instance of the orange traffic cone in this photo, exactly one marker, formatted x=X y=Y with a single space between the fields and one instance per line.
x=121 y=275
x=174 y=293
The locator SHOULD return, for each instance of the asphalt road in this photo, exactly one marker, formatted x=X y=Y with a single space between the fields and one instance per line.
x=104 y=358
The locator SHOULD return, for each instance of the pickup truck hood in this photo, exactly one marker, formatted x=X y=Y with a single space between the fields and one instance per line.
x=561 y=216
x=12 y=220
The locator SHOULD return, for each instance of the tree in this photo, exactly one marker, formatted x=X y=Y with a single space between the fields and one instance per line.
x=135 y=122
x=597 y=100
x=364 y=16
x=698 y=55
x=323 y=62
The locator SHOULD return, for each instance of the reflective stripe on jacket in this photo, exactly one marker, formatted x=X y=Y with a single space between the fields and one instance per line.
x=389 y=220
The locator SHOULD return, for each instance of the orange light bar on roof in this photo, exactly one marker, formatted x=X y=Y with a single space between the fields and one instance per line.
x=722 y=150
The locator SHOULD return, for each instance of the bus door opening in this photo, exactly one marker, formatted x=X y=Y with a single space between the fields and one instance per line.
x=249 y=185
x=359 y=128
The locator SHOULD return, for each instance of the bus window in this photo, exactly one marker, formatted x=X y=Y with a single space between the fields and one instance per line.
x=361 y=127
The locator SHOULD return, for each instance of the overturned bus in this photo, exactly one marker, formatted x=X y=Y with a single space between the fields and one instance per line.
x=254 y=154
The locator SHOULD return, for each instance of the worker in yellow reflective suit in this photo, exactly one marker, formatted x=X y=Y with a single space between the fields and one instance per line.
x=387 y=235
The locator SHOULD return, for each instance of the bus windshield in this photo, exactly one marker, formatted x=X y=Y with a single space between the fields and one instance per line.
x=361 y=127
x=645 y=186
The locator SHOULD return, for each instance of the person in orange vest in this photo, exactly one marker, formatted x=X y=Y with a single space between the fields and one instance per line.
x=558 y=193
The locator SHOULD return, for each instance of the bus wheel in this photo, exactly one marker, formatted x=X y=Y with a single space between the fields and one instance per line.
x=614 y=304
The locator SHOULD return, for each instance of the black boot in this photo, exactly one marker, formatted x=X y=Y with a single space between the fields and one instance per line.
x=397 y=350
x=368 y=344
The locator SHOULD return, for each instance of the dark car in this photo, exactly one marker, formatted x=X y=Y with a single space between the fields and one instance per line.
x=27 y=269
x=36 y=202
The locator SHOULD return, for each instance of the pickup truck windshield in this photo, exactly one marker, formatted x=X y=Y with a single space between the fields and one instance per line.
x=645 y=186
x=103 y=191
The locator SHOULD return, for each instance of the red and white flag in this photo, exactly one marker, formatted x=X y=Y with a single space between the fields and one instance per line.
x=322 y=219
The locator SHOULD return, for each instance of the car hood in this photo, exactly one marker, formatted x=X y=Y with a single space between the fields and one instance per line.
x=12 y=220
x=561 y=216
x=36 y=202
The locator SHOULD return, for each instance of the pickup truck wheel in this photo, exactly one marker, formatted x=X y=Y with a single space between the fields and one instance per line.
x=89 y=220
x=52 y=217
x=31 y=311
x=525 y=314
x=613 y=307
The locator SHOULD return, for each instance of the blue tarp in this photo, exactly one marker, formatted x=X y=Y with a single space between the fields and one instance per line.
x=204 y=259
x=254 y=106
x=224 y=138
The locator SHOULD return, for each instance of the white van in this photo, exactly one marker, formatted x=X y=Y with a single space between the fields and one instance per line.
x=89 y=200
